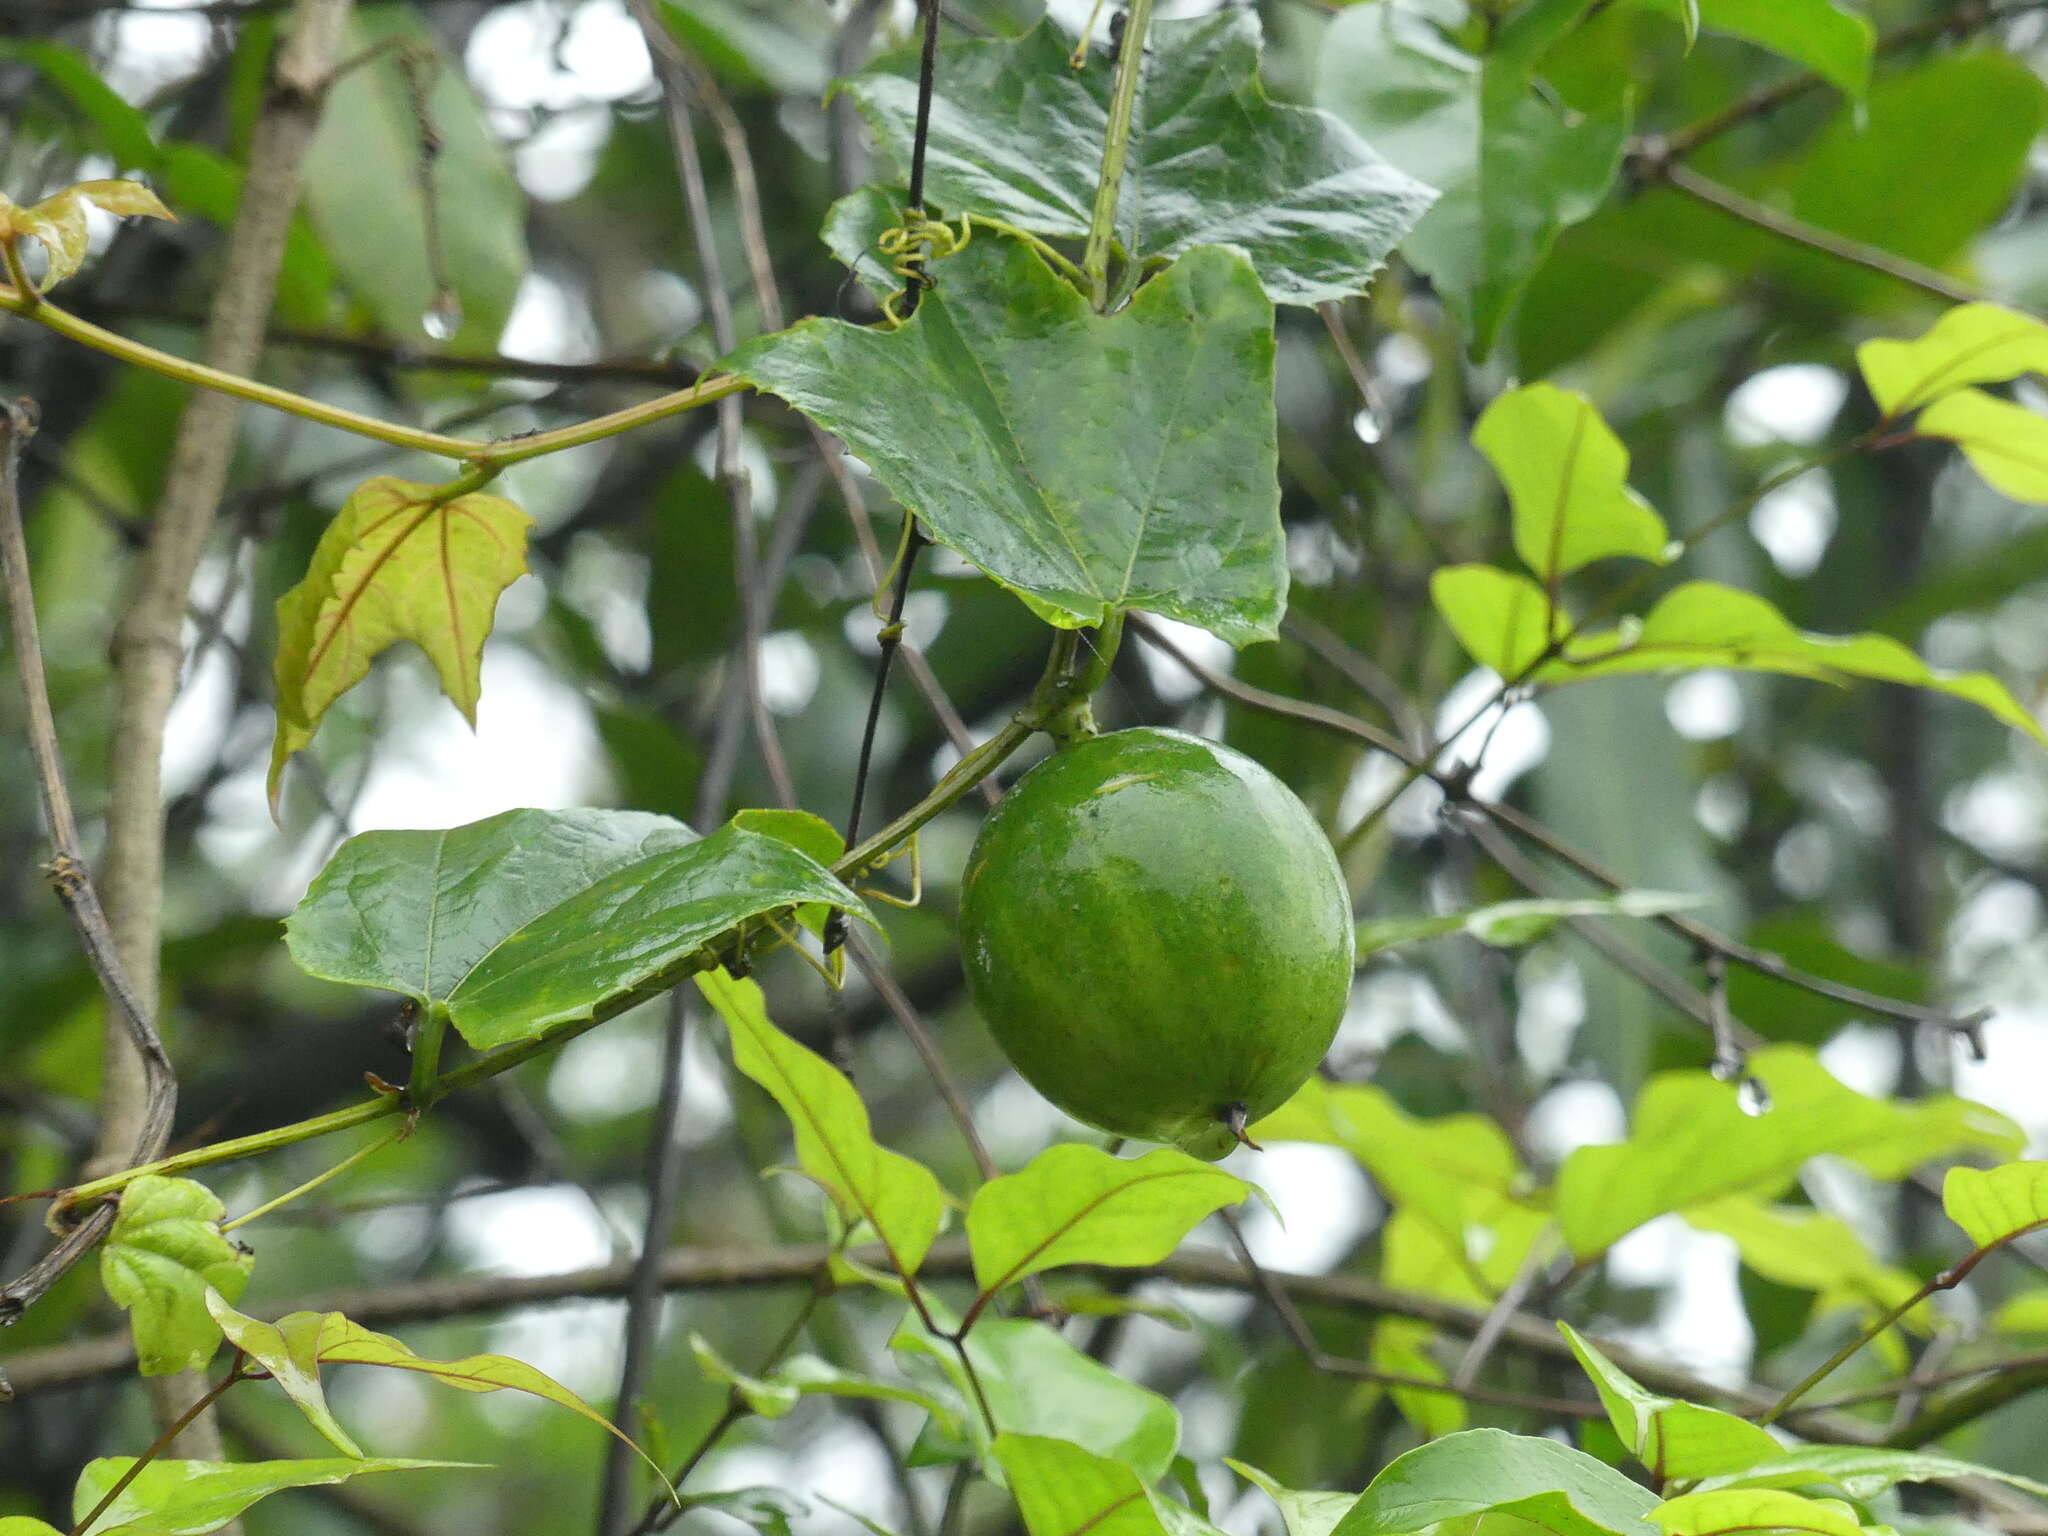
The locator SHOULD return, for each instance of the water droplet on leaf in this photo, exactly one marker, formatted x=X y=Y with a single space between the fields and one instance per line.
x=1367 y=426
x=1753 y=1097
x=444 y=316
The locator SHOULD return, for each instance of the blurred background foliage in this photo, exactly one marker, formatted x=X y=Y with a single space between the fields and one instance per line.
x=1891 y=839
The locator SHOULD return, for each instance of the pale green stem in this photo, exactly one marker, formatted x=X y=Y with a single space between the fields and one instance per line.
x=1116 y=144
x=318 y=1179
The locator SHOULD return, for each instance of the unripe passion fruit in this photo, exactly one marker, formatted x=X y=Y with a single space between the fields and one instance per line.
x=1156 y=931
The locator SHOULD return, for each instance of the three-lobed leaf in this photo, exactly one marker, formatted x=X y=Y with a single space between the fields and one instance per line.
x=399 y=561
x=190 y=1498
x=162 y=1253
x=1089 y=463
x=1996 y=1204
x=1015 y=132
x=1482 y=1471
x=896 y=1196
x=1075 y=1204
x=1566 y=475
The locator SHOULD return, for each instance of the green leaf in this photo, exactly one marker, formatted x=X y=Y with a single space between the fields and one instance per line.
x=2005 y=443
x=290 y=1351
x=1090 y=463
x=1727 y=1511
x=1062 y=1490
x=1303 y=1512
x=26 y=1525
x=534 y=918
x=764 y=1509
x=1074 y=1204
x=1704 y=624
x=305 y=1341
x=1513 y=924
x=1834 y=43
x=1452 y=1170
x=1037 y=1383
x=896 y=1196
x=1811 y=1250
x=1485 y=1470
x=1016 y=131
x=1567 y=479
x=188 y=1498
x=1865 y=1471
x=1502 y=618
x=363 y=185
x=1400 y=1347
x=1674 y=1440
x=1996 y=1204
x=123 y=129
x=1513 y=166
x=1970 y=344
x=58 y=222
x=775 y=1394
x=399 y=562
x=164 y=1249
x=2025 y=1313
x=1692 y=1142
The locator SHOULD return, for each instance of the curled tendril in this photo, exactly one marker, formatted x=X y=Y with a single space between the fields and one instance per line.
x=912 y=246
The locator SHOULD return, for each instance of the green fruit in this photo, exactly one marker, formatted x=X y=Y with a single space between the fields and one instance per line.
x=1158 y=935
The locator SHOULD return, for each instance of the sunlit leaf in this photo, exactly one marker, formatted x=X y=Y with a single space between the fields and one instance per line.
x=1865 y=1471
x=2024 y=1313
x=1502 y=618
x=1036 y=1383
x=896 y=1196
x=399 y=562
x=2005 y=443
x=1485 y=1470
x=1811 y=1250
x=1832 y=42
x=1567 y=479
x=1073 y=1204
x=1724 y=1512
x=189 y=1498
x=164 y=1249
x=1062 y=1489
x=290 y=1350
x=25 y=1525
x=1303 y=1512
x=1513 y=166
x=1090 y=463
x=1692 y=1141
x=1400 y=1346
x=1995 y=1204
x=1015 y=133
x=1673 y=1440
x=1970 y=344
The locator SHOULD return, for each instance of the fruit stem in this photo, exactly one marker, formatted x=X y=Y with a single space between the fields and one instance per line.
x=1235 y=1118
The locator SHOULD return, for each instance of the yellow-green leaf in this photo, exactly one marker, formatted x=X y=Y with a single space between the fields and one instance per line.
x=189 y=1498
x=399 y=562
x=1672 y=1439
x=1812 y=1251
x=1567 y=479
x=1971 y=344
x=58 y=222
x=1753 y=1510
x=2005 y=443
x=163 y=1251
x=835 y=1146
x=1996 y=1203
x=290 y=1351
x=1502 y=618
x=1400 y=1347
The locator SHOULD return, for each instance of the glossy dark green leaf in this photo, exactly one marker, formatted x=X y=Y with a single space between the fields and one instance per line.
x=189 y=1498
x=533 y=918
x=1017 y=133
x=164 y=1250
x=1487 y=1470
x=1514 y=167
x=1089 y=463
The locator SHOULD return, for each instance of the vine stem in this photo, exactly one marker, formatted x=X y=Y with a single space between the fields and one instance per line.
x=162 y=1443
x=1116 y=144
x=513 y=450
